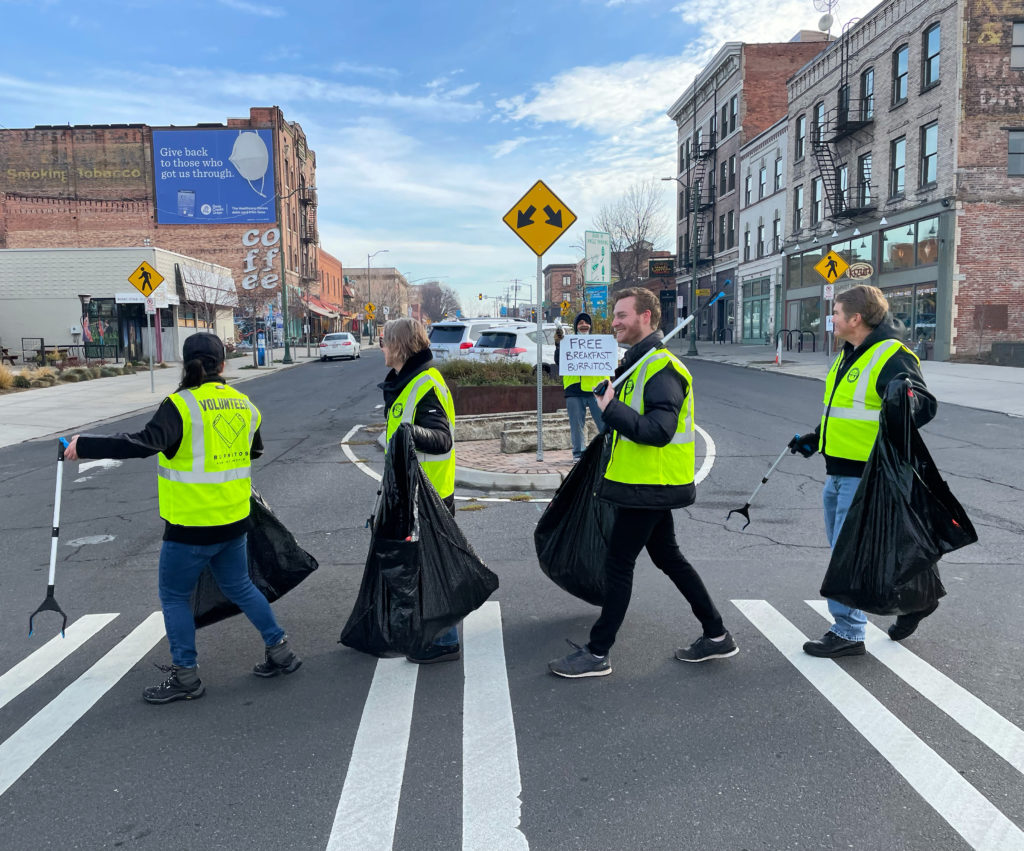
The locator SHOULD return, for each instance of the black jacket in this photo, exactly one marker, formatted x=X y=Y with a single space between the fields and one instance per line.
x=901 y=365
x=163 y=433
x=664 y=395
x=431 y=432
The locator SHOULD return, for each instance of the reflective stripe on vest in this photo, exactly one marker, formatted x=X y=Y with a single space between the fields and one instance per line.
x=849 y=418
x=641 y=463
x=207 y=482
x=440 y=469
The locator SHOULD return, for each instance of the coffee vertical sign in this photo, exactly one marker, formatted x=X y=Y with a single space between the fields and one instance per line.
x=261 y=255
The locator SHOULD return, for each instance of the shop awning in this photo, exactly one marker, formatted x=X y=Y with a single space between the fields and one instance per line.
x=321 y=308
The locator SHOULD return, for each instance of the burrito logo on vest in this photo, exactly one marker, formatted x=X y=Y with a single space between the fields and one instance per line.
x=853 y=375
x=397 y=410
x=228 y=428
x=628 y=389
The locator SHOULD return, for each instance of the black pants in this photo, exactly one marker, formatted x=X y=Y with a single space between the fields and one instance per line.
x=632 y=530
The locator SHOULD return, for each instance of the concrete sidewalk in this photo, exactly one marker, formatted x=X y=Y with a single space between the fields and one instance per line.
x=66 y=408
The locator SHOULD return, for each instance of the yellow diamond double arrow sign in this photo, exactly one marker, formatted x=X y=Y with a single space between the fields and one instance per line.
x=539 y=218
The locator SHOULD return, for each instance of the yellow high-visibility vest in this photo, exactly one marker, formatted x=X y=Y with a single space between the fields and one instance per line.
x=849 y=418
x=207 y=482
x=641 y=463
x=586 y=382
x=440 y=469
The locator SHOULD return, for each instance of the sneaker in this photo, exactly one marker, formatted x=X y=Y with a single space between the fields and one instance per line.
x=906 y=625
x=279 y=660
x=580 y=663
x=436 y=653
x=704 y=649
x=182 y=684
x=831 y=646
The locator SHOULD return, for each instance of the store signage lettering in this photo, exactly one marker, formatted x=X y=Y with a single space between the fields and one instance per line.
x=62 y=175
x=259 y=264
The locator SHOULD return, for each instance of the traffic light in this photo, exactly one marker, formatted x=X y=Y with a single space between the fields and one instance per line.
x=480 y=296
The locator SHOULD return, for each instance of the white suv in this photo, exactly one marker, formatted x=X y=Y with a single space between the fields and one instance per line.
x=516 y=342
x=453 y=337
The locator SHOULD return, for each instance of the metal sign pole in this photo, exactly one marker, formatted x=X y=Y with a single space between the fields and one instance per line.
x=540 y=365
x=152 y=345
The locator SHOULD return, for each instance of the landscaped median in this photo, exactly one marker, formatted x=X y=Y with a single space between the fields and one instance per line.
x=26 y=378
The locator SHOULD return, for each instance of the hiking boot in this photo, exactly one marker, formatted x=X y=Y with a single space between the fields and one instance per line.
x=905 y=625
x=580 y=663
x=279 y=660
x=182 y=684
x=704 y=649
x=436 y=653
x=831 y=646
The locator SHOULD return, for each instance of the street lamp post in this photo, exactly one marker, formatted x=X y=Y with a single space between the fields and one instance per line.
x=693 y=268
x=369 y=286
x=287 y=359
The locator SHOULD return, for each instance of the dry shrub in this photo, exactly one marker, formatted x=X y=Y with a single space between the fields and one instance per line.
x=6 y=378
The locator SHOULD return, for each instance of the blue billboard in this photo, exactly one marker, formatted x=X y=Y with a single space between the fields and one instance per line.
x=595 y=300
x=213 y=176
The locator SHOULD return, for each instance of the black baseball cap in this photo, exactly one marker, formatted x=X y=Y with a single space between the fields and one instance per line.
x=205 y=346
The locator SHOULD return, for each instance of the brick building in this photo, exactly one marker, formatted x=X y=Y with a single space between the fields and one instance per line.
x=562 y=282
x=740 y=93
x=904 y=139
x=92 y=186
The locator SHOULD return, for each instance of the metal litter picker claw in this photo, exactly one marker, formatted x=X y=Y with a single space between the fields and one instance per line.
x=745 y=511
x=50 y=604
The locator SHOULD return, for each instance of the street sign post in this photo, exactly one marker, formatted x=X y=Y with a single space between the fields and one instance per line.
x=597 y=268
x=539 y=218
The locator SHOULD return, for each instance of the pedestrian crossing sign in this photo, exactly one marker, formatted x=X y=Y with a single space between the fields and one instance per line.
x=145 y=279
x=831 y=267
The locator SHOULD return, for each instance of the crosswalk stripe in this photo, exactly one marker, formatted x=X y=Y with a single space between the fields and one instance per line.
x=967 y=811
x=36 y=736
x=491 y=785
x=976 y=717
x=36 y=666
x=368 y=807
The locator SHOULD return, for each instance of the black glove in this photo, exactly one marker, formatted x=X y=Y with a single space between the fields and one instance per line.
x=805 y=444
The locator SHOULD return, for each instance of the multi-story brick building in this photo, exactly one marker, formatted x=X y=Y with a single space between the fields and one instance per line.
x=739 y=94
x=251 y=209
x=904 y=137
x=562 y=282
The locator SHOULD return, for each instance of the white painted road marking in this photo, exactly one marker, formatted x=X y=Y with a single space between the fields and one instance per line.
x=368 y=807
x=33 y=668
x=967 y=811
x=976 y=717
x=491 y=784
x=36 y=736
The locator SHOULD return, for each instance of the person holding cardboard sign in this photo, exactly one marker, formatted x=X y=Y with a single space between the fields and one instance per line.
x=579 y=396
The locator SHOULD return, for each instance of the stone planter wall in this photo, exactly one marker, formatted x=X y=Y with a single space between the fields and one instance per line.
x=500 y=398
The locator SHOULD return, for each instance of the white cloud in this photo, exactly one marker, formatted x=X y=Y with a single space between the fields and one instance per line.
x=368 y=70
x=253 y=8
x=507 y=147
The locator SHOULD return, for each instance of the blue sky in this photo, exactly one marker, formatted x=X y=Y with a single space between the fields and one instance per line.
x=429 y=119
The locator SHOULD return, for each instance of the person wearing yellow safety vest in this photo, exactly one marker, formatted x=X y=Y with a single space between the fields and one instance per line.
x=650 y=471
x=871 y=357
x=579 y=395
x=416 y=397
x=205 y=435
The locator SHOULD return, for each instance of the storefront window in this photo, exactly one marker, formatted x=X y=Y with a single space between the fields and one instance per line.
x=862 y=249
x=924 y=319
x=898 y=248
x=927 y=241
x=901 y=310
x=100 y=331
x=810 y=316
x=756 y=294
x=808 y=260
x=793 y=271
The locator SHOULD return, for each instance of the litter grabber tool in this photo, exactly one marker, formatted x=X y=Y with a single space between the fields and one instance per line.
x=745 y=511
x=50 y=604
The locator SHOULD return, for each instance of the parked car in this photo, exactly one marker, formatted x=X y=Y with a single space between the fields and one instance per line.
x=516 y=342
x=341 y=344
x=455 y=337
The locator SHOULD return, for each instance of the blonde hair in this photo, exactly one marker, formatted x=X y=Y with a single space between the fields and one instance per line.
x=406 y=336
x=866 y=300
x=645 y=300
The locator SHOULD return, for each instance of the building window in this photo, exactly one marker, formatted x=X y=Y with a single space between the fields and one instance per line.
x=930 y=56
x=732 y=172
x=897 y=166
x=734 y=108
x=762 y=182
x=565 y=295
x=746 y=243
x=818 y=123
x=723 y=178
x=777 y=232
x=730 y=228
x=712 y=129
x=864 y=179
x=842 y=188
x=929 y=153
x=843 y=104
x=760 y=238
x=779 y=174
x=817 y=200
x=1015 y=165
x=683 y=156
x=1017 y=46
x=900 y=68
x=800 y=136
x=725 y=119
x=747 y=183
x=798 y=209
x=721 y=231
x=566 y=281
x=867 y=94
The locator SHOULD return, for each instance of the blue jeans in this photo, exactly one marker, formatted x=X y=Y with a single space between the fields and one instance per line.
x=180 y=566
x=577 y=408
x=449 y=638
x=836 y=497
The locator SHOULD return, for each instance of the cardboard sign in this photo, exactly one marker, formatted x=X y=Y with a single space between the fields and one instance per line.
x=588 y=354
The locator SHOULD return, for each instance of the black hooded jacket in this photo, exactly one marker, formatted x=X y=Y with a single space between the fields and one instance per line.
x=431 y=432
x=664 y=395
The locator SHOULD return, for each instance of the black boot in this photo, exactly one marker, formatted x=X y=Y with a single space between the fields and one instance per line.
x=279 y=660
x=182 y=684
x=905 y=625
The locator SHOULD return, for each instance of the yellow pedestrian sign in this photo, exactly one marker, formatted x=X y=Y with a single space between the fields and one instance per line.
x=565 y=307
x=145 y=279
x=831 y=267
x=539 y=218
x=371 y=307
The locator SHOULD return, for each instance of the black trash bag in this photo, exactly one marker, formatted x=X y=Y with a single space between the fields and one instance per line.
x=903 y=519
x=421 y=576
x=573 y=532
x=276 y=565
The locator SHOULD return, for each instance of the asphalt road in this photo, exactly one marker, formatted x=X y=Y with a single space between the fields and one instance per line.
x=914 y=748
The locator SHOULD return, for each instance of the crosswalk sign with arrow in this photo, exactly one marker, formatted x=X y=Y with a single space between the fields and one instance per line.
x=539 y=218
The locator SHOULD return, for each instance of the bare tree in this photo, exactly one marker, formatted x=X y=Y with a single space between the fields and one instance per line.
x=253 y=305
x=637 y=223
x=437 y=300
x=205 y=290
